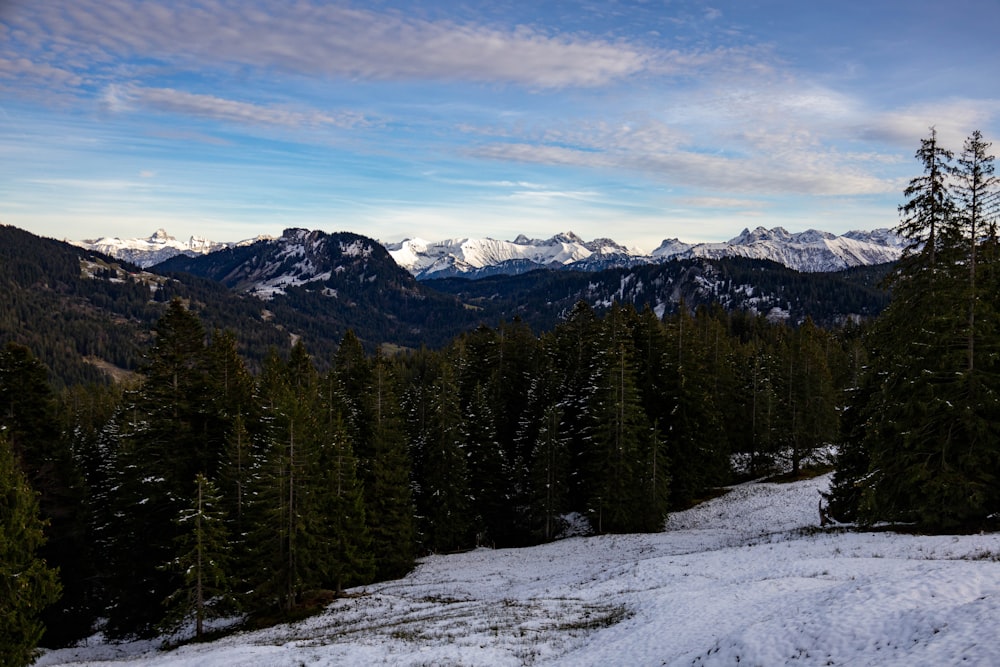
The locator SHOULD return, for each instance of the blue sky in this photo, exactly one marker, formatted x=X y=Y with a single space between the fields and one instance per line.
x=635 y=119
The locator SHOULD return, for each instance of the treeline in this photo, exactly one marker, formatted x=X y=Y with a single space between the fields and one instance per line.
x=205 y=489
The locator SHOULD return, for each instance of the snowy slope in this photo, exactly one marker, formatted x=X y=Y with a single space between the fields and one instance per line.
x=810 y=250
x=744 y=579
x=155 y=249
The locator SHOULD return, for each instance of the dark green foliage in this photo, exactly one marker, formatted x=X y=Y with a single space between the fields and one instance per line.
x=27 y=583
x=620 y=436
x=202 y=560
x=390 y=508
x=28 y=419
x=542 y=298
x=288 y=539
x=922 y=447
x=549 y=483
x=812 y=406
x=348 y=546
x=443 y=489
x=693 y=427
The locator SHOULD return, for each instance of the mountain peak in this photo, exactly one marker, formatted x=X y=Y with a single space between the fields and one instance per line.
x=161 y=236
x=566 y=237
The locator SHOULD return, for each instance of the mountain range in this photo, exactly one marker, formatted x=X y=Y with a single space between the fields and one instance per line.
x=157 y=248
x=88 y=315
x=809 y=251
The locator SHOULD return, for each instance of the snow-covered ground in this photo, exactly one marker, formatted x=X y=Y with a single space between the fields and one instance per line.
x=745 y=579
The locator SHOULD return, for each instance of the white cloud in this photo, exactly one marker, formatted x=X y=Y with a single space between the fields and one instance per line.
x=125 y=98
x=321 y=39
x=721 y=202
x=15 y=68
x=953 y=119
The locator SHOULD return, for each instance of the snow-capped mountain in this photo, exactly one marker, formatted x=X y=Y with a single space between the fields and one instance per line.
x=462 y=256
x=808 y=251
x=157 y=248
x=328 y=262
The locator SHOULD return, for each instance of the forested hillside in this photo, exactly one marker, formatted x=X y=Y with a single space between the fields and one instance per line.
x=303 y=482
x=544 y=297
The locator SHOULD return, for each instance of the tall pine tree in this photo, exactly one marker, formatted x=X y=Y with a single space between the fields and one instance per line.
x=27 y=584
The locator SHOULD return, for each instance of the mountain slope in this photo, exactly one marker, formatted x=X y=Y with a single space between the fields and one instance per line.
x=323 y=284
x=811 y=251
x=88 y=316
x=540 y=298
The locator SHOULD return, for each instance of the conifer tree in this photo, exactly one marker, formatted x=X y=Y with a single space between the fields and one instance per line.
x=390 y=510
x=549 y=474
x=488 y=473
x=348 y=559
x=811 y=406
x=28 y=418
x=27 y=584
x=443 y=482
x=571 y=353
x=290 y=531
x=619 y=436
x=698 y=448
x=161 y=447
x=202 y=561
x=930 y=420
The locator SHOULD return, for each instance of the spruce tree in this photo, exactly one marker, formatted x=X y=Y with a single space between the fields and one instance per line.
x=619 y=437
x=28 y=418
x=931 y=423
x=549 y=475
x=390 y=510
x=202 y=560
x=290 y=532
x=488 y=473
x=811 y=406
x=167 y=440
x=348 y=560
x=443 y=481
x=27 y=584
x=693 y=431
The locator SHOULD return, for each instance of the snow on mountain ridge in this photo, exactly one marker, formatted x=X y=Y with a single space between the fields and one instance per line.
x=808 y=251
x=424 y=259
x=158 y=247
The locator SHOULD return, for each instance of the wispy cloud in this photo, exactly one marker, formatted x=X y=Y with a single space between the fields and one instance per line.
x=757 y=162
x=120 y=99
x=320 y=39
x=953 y=119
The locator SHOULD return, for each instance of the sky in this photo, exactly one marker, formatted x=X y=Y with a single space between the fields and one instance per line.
x=638 y=120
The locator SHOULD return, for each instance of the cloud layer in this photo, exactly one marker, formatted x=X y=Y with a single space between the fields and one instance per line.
x=316 y=39
x=504 y=114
